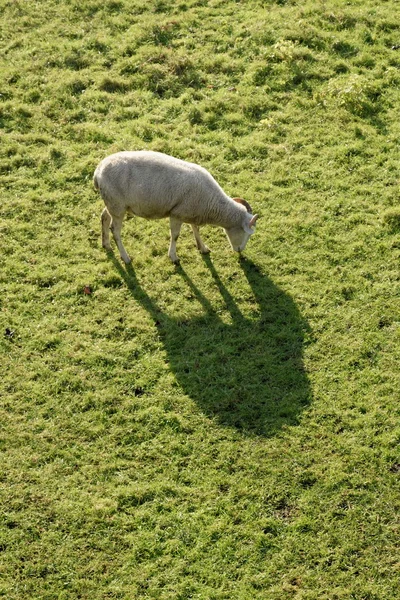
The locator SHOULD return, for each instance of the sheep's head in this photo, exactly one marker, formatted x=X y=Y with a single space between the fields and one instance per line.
x=239 y=236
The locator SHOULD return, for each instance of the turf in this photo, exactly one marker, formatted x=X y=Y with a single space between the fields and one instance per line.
x=228 y=428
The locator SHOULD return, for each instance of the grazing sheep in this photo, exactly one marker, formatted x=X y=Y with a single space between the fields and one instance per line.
x=154 y=185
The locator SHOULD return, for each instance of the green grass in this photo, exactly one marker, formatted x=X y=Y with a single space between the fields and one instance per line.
x=226 y=429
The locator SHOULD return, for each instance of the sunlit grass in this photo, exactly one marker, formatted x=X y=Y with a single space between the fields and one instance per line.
x=226 y=429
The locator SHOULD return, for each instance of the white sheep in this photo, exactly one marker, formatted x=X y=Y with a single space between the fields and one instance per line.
x=154 y=185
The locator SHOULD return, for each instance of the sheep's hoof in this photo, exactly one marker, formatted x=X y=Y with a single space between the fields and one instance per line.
x=205 y=250
x=107 y=247
x=126 y=259
x=173 y=258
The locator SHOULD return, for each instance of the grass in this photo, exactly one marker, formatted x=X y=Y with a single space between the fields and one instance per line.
x=228 y=428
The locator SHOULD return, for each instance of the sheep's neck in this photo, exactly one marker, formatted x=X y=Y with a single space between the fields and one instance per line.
x=222 y=211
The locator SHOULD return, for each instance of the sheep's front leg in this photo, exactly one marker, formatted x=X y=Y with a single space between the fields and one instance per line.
x=116 y=226
x=105 y=229
x=199 y=242
x=175 y=226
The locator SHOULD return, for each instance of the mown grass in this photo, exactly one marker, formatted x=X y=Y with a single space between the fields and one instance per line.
x=228 y=428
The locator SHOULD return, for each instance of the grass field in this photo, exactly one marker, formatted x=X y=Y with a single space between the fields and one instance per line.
x=227 y=429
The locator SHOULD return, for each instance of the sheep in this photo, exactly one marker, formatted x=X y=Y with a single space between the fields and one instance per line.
x=154 y=185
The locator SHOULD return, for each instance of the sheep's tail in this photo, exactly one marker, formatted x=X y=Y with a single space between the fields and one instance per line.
x=95 y=182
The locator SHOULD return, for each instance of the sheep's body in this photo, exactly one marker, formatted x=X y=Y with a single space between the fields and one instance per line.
x=154 y=186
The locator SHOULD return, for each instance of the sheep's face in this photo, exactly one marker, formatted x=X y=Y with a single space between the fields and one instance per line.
x=239 y=236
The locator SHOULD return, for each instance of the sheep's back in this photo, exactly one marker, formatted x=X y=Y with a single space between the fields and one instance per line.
x=154 y=185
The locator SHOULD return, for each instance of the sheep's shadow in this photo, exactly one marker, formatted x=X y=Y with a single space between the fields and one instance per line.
x=248 y=374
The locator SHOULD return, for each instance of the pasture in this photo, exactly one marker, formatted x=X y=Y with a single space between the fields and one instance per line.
x=226 y=429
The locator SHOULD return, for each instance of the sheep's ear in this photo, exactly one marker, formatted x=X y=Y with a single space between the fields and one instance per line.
x=249 y=227
x=245 y=204
x=253 y=220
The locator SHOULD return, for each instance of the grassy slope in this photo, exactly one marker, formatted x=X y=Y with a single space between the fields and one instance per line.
x=227 y=429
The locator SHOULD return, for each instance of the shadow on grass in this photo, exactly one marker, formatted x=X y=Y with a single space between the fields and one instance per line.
x=247 y=375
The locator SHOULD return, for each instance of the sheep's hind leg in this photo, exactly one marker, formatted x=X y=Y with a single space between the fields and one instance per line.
x=199 y=242
x=175 y=226
x=105 y=229
x=116 y=226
